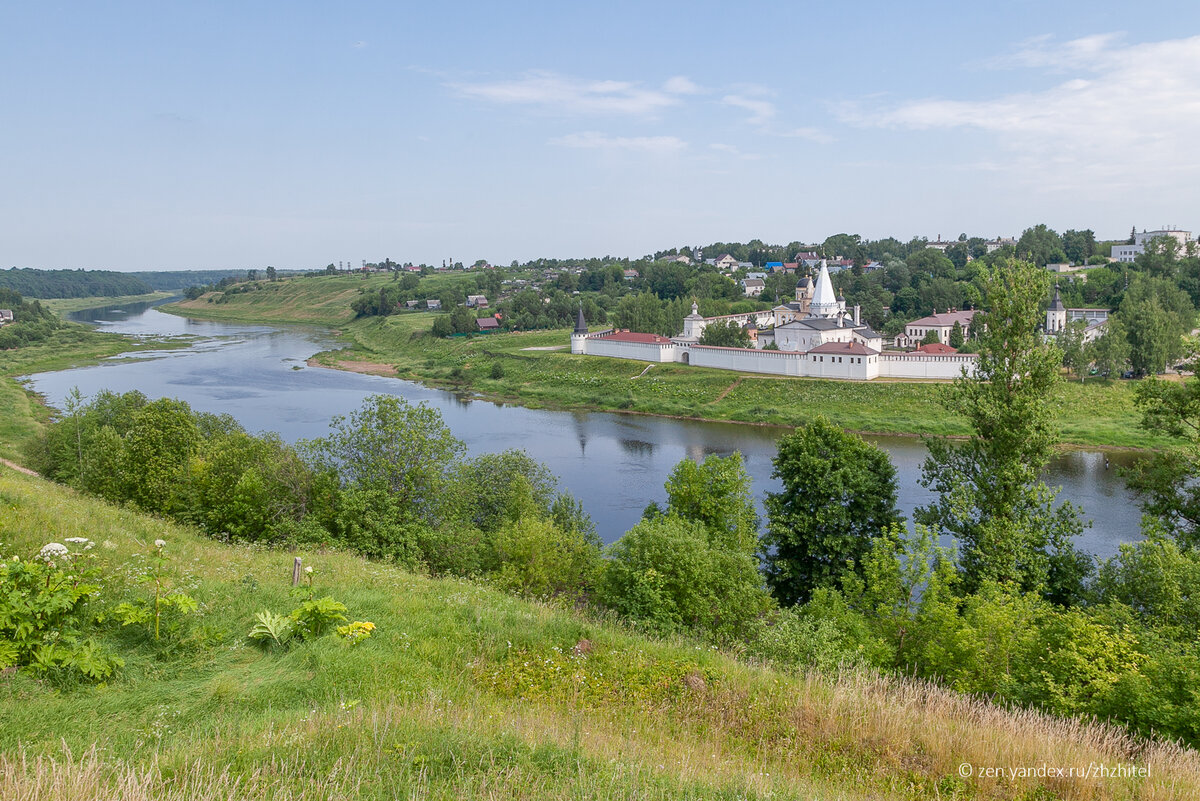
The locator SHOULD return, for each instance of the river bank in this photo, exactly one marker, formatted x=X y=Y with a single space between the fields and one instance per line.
x=22 y=410
x=510 y=367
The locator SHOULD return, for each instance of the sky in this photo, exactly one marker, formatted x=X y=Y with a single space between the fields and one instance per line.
x=137 y=136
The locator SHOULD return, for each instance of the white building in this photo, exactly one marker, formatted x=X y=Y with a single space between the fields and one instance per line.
x=916 y=331
x=1128 y=253
x=816 y=337
x=1058 y=316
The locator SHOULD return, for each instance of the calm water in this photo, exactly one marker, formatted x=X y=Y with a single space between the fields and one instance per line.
x=615 y=464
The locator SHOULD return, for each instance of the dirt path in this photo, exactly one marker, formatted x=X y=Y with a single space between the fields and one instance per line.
x=727 y=390
x=17 y=467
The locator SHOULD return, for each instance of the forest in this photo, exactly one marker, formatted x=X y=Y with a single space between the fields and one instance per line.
x=72 y=283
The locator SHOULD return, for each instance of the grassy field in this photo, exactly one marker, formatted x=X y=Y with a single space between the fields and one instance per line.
x=313 y=301
x=463 y=692
x=63 y=306
x=1097 y=413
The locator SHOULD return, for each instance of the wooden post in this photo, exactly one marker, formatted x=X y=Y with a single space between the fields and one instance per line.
x=296 y=572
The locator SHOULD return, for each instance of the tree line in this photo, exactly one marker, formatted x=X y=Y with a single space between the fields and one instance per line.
x=71 y=283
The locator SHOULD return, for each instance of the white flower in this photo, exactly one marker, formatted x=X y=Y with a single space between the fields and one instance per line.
x=78 y=540
x=160 y=543
x=53 y=550
x=308 y=569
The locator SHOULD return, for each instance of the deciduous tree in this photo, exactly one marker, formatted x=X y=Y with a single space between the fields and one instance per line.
x=839 y=493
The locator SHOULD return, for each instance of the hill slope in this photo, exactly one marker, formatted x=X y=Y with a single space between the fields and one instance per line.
x=466 y=692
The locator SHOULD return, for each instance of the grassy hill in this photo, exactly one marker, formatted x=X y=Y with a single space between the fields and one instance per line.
x=464 y=692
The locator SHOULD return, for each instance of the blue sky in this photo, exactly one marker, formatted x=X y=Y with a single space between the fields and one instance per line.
x=204 y=135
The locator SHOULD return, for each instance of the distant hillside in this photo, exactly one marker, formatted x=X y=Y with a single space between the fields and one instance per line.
x=182 y=279
x=72 y=283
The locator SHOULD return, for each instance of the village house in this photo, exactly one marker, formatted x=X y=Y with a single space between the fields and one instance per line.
x=942 y=323
x=6 y=316
x=487 y=324
x=753 y=287
x=477 y=301
x=433 y=303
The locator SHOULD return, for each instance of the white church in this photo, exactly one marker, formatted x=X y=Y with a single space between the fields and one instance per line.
x=816 y=335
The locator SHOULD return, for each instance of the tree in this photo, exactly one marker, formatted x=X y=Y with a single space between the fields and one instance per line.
x=989 y=496
x=1110 y=352
x=931 y=337
x=1079 y=246
x=392 y=446
x=1155 y=313
x=1040 y=245
x=1070 y=342
x=726 y=334
x=956 y=336
x=839 y=493
x=160 y=442
x=1167 y=479
x=665 y=573
x=716 y=492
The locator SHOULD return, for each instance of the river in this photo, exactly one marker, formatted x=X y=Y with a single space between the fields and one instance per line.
x=614 y=463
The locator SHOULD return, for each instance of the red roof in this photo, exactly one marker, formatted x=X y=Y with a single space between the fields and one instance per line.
x=844 y=348
x=936 y=347
x=634 y=336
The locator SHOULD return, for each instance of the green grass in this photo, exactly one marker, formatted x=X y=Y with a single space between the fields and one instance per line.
x=1098 y=413
x=464 y=692
x=64 y=306
x=312 y=301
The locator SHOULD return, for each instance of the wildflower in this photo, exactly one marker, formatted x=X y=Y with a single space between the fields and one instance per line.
x=308 y=569
x=52 y=551
x=160 y=543
x=77 y=540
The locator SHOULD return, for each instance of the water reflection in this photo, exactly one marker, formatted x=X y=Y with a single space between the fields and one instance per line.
x=615 y=464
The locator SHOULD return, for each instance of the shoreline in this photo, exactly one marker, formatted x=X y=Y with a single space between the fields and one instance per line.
x=389 y=371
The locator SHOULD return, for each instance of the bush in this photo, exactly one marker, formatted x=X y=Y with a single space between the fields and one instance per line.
x=535 y=557
x=665 y=573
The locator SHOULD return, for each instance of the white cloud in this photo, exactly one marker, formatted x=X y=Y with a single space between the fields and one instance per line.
x=573 y=95
x=1128 y=115
x=735 y=151
x=807 y=132
x=646 y=144
x=679 y=85
x=761 y=111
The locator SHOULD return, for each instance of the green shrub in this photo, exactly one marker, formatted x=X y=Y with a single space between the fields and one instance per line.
x=534 y=557
x=47 y=615
x=665 y=573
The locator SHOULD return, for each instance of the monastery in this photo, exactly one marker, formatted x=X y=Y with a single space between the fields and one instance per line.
x=816 y=335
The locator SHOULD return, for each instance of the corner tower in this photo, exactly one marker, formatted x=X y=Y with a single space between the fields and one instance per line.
x=579 y=335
